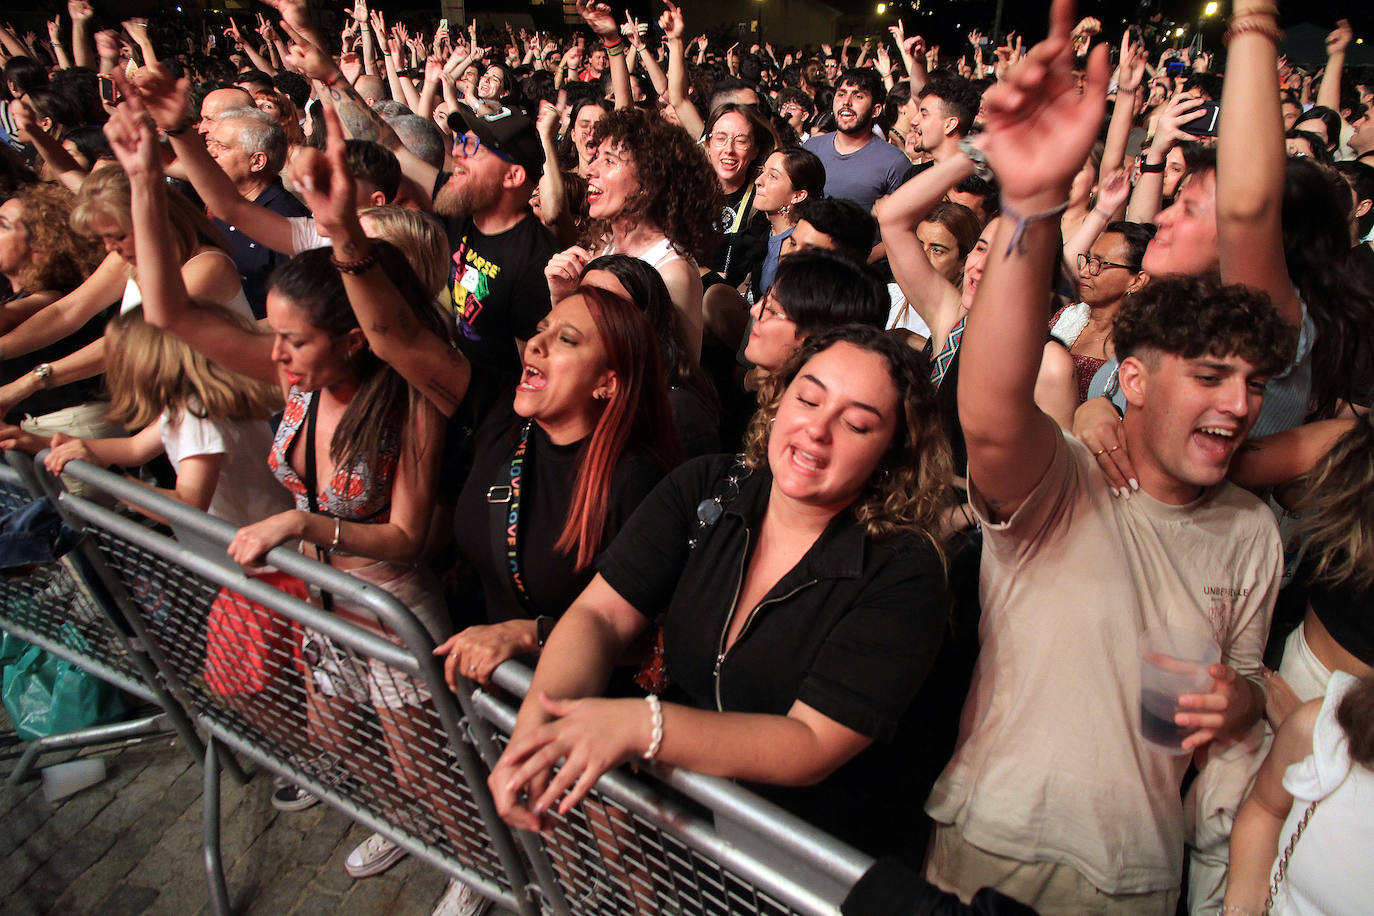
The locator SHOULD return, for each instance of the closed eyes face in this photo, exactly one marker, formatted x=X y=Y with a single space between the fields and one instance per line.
x=835 y=422
x=310 y=359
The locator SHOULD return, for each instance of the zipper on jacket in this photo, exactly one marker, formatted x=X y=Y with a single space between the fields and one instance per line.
x=723 y=652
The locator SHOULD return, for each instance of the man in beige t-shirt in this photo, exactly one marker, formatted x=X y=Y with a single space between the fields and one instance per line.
x=1052 y=796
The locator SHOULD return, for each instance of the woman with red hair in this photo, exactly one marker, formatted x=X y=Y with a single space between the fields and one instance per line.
x=554 y=471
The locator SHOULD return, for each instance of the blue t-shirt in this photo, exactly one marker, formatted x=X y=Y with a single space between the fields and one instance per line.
x=866 y=174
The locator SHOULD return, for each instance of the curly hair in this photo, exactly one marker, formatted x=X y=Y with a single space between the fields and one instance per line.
x=912 y=486
x=61 y=258
x=1192 y=316
x=1336 y=508
x=678 y=192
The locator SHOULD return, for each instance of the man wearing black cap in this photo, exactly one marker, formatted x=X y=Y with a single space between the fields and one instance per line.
x=499 y=247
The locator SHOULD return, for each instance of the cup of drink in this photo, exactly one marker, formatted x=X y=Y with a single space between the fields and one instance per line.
x=1173 y=662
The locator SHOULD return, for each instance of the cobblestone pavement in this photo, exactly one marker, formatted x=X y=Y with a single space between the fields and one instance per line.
x=132 y=845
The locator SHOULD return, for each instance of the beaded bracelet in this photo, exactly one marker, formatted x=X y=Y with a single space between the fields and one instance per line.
x=656 y=734
x=1265 y=29
x=362 y=265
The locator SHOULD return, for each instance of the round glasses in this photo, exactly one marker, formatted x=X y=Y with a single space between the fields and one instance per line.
x=1095 y=265
x=468 y=144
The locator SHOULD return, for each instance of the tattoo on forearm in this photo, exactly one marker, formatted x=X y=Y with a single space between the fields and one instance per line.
x=442 y=390
x=380 y=328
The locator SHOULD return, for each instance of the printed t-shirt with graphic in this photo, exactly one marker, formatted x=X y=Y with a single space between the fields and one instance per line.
x=497 y=287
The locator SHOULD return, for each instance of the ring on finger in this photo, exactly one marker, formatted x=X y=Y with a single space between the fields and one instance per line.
x=1099 y=453
x=1114 y=448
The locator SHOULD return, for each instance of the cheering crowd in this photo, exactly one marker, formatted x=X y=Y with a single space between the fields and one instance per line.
x=850 y=422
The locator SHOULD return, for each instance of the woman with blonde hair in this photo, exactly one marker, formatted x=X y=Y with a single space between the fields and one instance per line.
x=102 y=211
x=210 y=422
x=417 y=236
x=793 y=671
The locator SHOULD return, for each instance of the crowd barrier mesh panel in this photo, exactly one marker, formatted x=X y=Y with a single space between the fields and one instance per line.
x=321 y=710
x=636 y=846
x=47 y=607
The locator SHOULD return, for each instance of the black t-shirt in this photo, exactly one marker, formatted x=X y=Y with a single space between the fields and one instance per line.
x=1345 y=611
x=497 y=286
x=549 y=474
x=255 y=260
x=851 y=631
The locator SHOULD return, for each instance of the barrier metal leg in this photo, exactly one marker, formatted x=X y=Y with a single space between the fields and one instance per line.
x=214 y=862
x=86 y=737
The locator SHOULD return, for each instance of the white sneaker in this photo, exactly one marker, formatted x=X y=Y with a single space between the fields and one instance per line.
x=373 y=856
x=461 y=900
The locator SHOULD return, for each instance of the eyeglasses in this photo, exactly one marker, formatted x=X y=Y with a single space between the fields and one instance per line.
x=770 y=312
x=468 y=144
x=1094 y=264
x=720 y=140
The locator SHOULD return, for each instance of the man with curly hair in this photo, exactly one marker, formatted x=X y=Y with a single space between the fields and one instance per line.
x=1053 y=795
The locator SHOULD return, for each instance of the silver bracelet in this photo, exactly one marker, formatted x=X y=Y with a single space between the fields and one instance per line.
x=338 y=533
x=656 y=734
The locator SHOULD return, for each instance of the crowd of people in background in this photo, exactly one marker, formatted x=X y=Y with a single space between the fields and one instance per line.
x=847 y=421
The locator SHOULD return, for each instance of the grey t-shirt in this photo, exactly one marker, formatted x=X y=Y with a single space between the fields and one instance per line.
x=875 y=169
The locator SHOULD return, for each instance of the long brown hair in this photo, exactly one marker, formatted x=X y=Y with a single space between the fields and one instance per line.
x=62 y=259
x=1356 y=717
x=1336 y=505
x=636 y=416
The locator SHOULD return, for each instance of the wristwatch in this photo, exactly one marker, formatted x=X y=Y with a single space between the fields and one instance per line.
x=43 y=372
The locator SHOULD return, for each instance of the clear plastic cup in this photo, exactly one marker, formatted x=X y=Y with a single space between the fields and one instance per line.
x=1173 y=662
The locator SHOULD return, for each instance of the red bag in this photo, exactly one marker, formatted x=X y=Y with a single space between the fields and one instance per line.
x=245 y=642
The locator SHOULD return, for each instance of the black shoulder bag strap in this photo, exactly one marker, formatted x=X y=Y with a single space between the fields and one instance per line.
x=311 y=483
x=503 y=516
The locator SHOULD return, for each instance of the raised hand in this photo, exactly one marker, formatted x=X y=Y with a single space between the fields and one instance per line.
x=1340 y=38
x=634 y=31
x=884 y=62
x=1040 y=127
x=308 y=60
x=132 y=133
x=1182 y=108
x=80 y=10
x=162 y=97
x=107 y=44
x=378 y=20
x=327 y=186
x=1131 y=70
x=55 y=29
x=233 y=31
x=1113 y=193
x=599 y=18
x=360 y=12
x=295 y=13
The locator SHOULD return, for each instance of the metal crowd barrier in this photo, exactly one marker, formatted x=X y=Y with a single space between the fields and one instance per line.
x=57 y=608
x=368 y=725
x=365 y=723
x=682 y=843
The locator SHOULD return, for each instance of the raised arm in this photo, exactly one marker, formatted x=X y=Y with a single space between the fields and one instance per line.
x=1111 y=198
x=1329 y=93
x=426 y=361
x=234 y=32
x=55 y=38
x=1039 y=127
x=59 y=161
x=601 y=21
x=1130 y=74
x=1251 y=159
x=80 y=11
x=672 y=24
x=1149 y=188
x=166 y=101
x=933 y=297
x=166 y=303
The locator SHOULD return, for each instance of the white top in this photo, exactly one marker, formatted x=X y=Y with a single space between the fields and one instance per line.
x=133 y=296
x=1331 y=870
x=305 y=235
x=899 y=315
x=246 y=492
